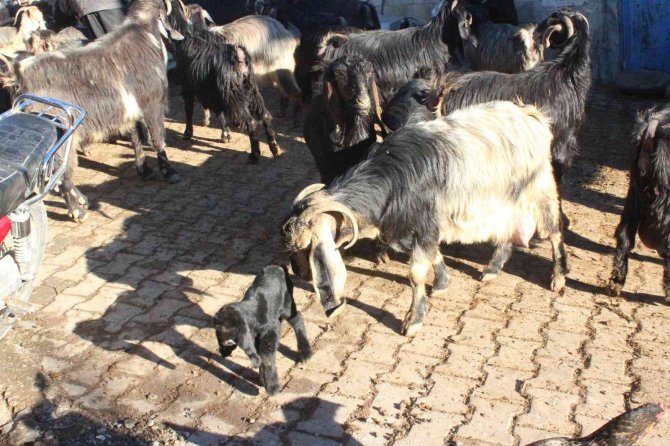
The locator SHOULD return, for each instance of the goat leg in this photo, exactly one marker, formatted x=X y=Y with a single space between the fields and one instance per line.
x=268 y=369
x=625 y=242
x=418 y=270
x=560 y=262
x=500 y=256
x=441 y=275
x=255 y=154
x=156 y=129
x=270 y=135
x=143 y=169
x=76 y=202
x=301 y=336
x=189 y=99
x=225 y=130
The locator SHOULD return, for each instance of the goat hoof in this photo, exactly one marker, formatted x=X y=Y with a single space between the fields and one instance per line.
x=336 y=311
x=305 y=354
x=614 y=289
x=225 y=137
x=488 y=276
x=78 y=215
x=187 y=136
x=253 y=159
x=411 y=329
x=272 y=389
x=277 y=152
x=439 y=291
x=558 y=283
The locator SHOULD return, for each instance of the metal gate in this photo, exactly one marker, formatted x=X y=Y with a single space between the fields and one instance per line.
x=646 y=34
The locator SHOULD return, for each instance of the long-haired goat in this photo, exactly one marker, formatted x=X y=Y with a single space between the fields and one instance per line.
x=120 y=81
x=397 y=55
x=495 y=46
x=221 y=76
x=29 y=20
x=271 y=47
x=559 y=87
x=481 y=174
x=647 y=208
x=339 y=128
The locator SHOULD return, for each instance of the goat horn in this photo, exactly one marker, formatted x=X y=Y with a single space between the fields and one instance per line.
x=308 y=191
x=651 y=128
x=21 y=10
x=183 y=7
x=328 y=206
x=546 y=35
x=206 y=15
x=569 y=27
x=168 y=7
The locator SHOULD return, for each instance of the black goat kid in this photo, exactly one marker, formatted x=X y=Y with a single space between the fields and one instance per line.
x=220 y=75
x=339 y=129
x=255 y=322
x=647 y=208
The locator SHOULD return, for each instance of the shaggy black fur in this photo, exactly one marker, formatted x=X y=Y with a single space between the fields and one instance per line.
x=502 y=11
x=226 y=11
x=339 y=128
x=254 y=323
x=414 y=102
x=397 y=55
x=647 y=207
x=221 y=77
x=308 y=14
x=559 y=87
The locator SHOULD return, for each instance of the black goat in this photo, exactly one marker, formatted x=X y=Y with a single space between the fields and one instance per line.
x=339 y=128
x=416 y=101
x=397 y=55
x=221 y=76
x=480 y=174
x=647 y=207
x=495 y=46
x=120 y=81
x=254 y=323
x=305 y=14
x=404 y=23
x=559 y=87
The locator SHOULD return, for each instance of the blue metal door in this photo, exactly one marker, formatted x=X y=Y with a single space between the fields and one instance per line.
x=646 y=34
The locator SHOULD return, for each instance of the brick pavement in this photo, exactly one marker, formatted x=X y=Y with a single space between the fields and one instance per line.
x=120 y=348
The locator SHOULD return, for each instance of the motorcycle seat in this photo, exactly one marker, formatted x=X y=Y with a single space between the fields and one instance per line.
x=24 y=140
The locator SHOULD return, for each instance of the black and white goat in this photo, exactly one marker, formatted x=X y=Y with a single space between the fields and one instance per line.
x=120 y=81
x=221 y=76
x=254 y=323
x=271 y=47
x=340 y=126
x=397 y=55
x=646 y=211
x=559 y=87
x=495 y=46
x=481 y=174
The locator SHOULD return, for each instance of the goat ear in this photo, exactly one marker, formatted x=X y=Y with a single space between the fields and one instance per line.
x=241 y=60
x=328 y=272
x=334 y=107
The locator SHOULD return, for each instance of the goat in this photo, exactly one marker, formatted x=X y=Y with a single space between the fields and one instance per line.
x=254 y=323
x=493 y=46
x=47 y=40
x=271 y=47
x=302 y=13
x=120 y=81
x=221 y=76
x=339 y=128
x=199 y=16
x=481 y=174
x=647 y=207
x=404 y=23
x=30 y=19
x=416 y=101
x=397 y=55
x=226 y=11
x=559 y=87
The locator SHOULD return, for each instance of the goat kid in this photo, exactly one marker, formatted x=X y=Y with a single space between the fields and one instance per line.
x=481 y=174
x=221 y=76
x=254 y=323
x=646 y=210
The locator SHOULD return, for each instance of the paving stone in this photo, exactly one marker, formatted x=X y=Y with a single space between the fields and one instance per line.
x=491 y=422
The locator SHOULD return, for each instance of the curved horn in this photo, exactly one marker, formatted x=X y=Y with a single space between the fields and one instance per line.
x=168 y=7
x=184 y=10
x=332 y=206
x=546 y=35
x=651 y=128
x=308 y=191
x=208 y=17
x=570 y=27
x=19 y=12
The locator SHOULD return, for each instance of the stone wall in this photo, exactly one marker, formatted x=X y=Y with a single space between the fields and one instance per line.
x=603 y=17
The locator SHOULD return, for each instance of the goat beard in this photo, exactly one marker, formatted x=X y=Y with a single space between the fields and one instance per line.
x=355 y=131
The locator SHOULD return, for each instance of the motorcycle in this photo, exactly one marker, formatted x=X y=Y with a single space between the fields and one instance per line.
x=35 y=143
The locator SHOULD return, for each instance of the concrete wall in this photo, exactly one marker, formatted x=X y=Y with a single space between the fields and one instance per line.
x=603 y=18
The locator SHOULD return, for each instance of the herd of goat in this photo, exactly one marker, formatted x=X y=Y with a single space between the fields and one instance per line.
x=459 y=130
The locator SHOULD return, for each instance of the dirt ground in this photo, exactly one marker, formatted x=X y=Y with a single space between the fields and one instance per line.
x=119 y=349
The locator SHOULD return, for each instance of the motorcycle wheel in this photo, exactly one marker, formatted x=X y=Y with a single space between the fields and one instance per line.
x=38 y=235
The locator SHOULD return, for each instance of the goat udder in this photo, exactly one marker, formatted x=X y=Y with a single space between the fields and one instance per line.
x=524 y=231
